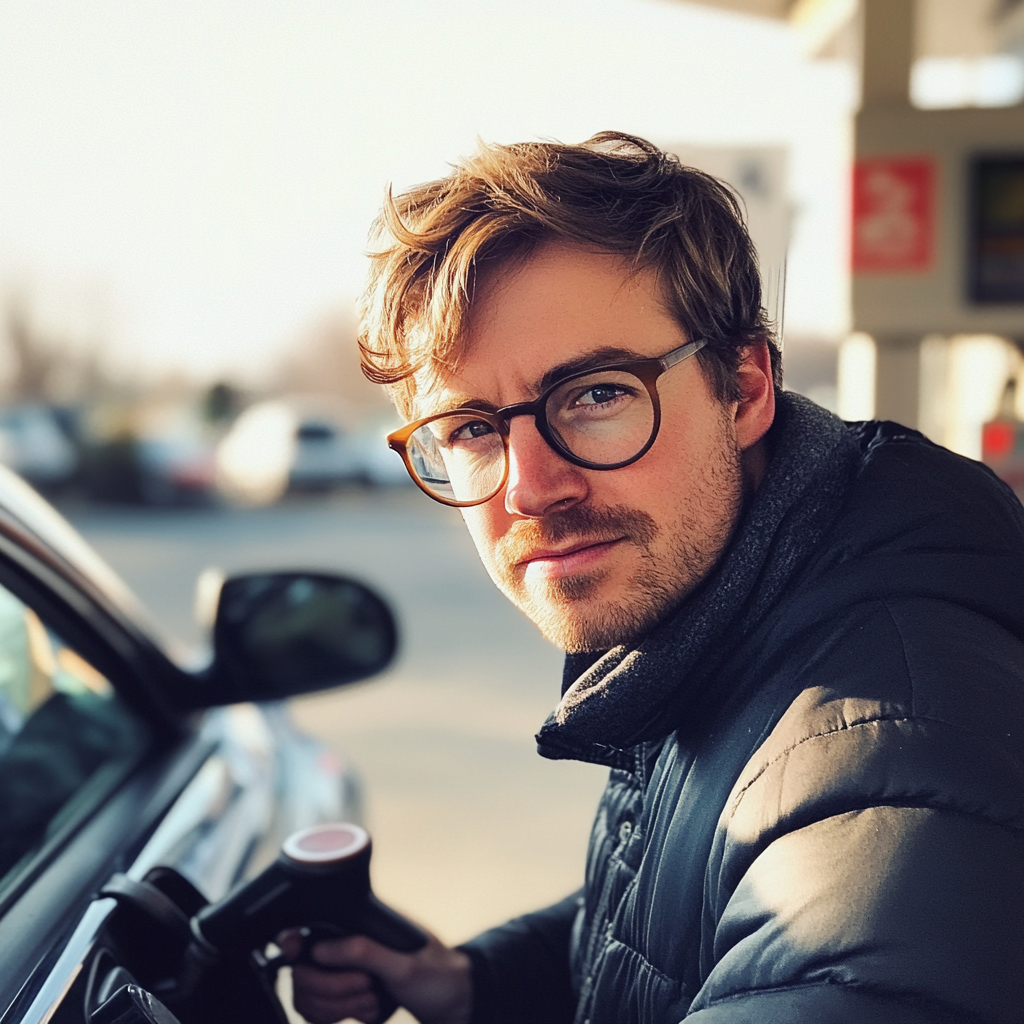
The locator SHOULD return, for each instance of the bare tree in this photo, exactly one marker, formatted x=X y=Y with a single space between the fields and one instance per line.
x=46 y=368
x=34 y=355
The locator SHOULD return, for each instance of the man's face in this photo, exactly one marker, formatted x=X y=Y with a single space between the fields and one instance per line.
x=595 y=557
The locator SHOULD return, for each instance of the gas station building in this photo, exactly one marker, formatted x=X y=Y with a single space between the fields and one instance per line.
x=936 y=220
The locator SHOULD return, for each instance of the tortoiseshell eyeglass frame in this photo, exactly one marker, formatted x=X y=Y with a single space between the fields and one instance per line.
x=647 y=371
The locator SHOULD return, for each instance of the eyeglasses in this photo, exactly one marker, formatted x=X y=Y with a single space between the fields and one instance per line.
x=604 y=418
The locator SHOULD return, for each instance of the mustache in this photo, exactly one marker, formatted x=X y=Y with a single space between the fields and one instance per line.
x=578 y=523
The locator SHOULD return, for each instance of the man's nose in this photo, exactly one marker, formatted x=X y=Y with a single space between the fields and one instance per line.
x=539 y=479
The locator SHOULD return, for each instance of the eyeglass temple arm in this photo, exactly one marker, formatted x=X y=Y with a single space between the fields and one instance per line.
x=677 y=355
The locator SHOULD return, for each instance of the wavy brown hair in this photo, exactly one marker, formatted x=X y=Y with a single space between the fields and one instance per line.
x=613 y=193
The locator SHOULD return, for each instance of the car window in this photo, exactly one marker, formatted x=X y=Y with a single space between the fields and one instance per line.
x=64 y=734
x=312 y=431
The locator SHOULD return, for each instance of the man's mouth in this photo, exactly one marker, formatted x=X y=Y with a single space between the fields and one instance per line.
x=556 y=563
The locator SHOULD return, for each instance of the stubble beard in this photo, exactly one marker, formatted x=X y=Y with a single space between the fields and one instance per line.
x=570 y=611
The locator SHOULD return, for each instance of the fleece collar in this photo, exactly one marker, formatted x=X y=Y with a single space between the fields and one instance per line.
x=634 y=693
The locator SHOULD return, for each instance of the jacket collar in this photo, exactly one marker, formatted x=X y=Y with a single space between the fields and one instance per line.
x=614 y=700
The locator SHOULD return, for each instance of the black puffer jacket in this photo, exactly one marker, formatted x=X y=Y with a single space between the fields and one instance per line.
x=816 y=805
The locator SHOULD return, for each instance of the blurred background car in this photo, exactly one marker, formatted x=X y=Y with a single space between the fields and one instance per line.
x=323 y=455
x=175 y=469
x=301 y=443
x=149 y=454
x=34 y=445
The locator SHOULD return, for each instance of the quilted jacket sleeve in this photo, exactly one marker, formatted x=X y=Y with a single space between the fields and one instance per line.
x=870 y=865
x=886 y=914
x=521 y=969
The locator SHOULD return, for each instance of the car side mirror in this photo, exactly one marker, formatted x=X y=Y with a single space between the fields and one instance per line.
x=280 y=634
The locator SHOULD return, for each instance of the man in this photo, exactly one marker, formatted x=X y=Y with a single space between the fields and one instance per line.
x=798 y=644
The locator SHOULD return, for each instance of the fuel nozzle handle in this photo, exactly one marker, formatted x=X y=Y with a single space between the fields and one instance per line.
x=320 y=881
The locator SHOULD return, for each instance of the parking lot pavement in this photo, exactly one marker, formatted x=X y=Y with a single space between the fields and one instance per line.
x=470 y=825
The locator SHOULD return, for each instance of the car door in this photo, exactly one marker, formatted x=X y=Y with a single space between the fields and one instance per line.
x=113 y=759
x=98 y=775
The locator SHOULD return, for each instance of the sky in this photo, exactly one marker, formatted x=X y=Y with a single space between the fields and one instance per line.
x=190 y=182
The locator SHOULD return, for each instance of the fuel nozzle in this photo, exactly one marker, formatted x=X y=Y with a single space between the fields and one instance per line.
x=320 y=882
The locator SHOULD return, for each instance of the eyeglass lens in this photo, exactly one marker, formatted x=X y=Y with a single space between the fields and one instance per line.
x=458 y=458
x=603 y=418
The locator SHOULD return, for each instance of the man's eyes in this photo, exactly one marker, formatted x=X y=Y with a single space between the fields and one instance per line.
x=598 y=394
x=469 y=431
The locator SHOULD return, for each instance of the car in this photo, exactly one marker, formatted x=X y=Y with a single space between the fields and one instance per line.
x=295 y=443
x=157 y=455
x=118 y=759
x=33 y=444
x=175 y=471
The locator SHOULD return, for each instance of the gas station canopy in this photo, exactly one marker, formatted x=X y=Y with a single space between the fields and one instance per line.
x=945 y=28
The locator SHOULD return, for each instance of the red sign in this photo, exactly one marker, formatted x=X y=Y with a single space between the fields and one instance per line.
x=893 y=214
x=997 y=439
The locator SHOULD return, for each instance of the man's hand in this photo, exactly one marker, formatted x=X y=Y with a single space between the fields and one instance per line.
x=434 y=984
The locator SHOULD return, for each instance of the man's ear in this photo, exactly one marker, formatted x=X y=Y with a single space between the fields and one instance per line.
x=755 y=411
